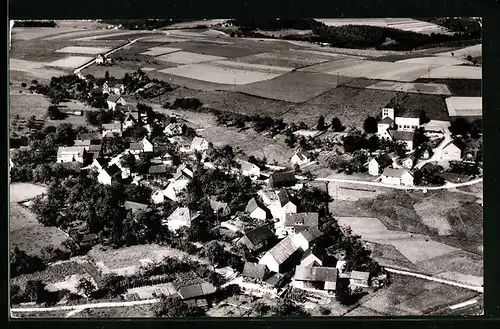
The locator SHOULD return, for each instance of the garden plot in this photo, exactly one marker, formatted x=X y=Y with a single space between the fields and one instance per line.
x=183 y=57
x=155 y=51
x=434 y=61
x=295 y=87
x=71 y=62
x=454 y=72
x=421 y=88
x=218 y=74
x=473 y=51
x=83 y=50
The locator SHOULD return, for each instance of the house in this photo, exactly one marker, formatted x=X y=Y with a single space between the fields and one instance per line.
x=114 y=100
x=257 y=239
x=295 y=223
x=256 y=210
x=183 y=143
x=300 y=158
x=183 y=173
x=106 y=89
x=407 y=124
x=196 y=294
x=143 y=146
x=99 y=164
x=316 y=278
x=278 y=258
x=282 y=179
x=359 y=279
x=407 y=137
x=199 y=144
x=166 y=158
x=285 y=205
x=395 y=159
x=451 y=152
x=314 y=256
x=378 y=164
x=95 y=150
x=305 y=239
x=181 y=217
x=248 y=168
x=158 y=170
x=173 y=129
x=119 y=89
x=255 y=271
x=131 y=119
x=111 y=129
x=409 y=162
x=70 y=154
x=99 y=59
x=109 y=175
x=397 y=177
x=221 y=208
x=385 y=124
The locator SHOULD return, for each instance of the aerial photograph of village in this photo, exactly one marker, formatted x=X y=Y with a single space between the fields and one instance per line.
x=245 y=168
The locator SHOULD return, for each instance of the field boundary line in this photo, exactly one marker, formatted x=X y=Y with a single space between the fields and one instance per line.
x=81 y=307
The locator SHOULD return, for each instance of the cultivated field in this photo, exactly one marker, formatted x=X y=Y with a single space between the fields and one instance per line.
x=27 y=33
x=411 y=104
x=287 y=58
x=155 y=51
x=454 y=72
x=19 y=192
x=71 y=62
x=162 y=39
x=25 y=105
x=435 y=61
x=412 y=87
x=34 y=70
x=474 y=51
x=183 y=57
x=83 y=50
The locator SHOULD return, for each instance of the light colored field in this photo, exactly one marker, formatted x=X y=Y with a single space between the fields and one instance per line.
x=332 y=67
x=217 y=74
x=434 y=61
x=185 y=34
x=76 y=34
x=23 y=191
x=116 y=33
x=28 y=33
x=251 y=67
x=21 y=64
x=454 y=72
x=412 y=87
x=83 y=50
x=467 y=279
x=464 y=106
x=148 y=69
x=155 y=51
x=147 y=292
x=435 y=219
x=290 y=58
x=474 y=51
x=70 y=62
x=27 y=105
x=184 y=57
x=412 y=246
x=163 y=39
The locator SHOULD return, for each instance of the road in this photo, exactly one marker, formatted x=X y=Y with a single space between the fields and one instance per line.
x=438 y=152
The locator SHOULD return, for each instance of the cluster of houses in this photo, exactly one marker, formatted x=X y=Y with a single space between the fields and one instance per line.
x=103 y=59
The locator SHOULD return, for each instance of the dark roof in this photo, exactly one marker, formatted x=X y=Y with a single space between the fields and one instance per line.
x=252 y=205
x=112 y=126
x=308 y=219
x=103 y=162
x=254 y=270
x=311 y=233
x=95 y=148
x=386 y=120
x=89 y=237
x=282 y=178
x=283 y=197
x=196 y=290
x=90 y=136
x=113 y=170
x=400 y=135
x=315 y=250
x=134 y=116
x=316 y=273
x=259 y=235
x=383 y=160
x=135 y=206
x=158 y=169
x=113 y=98
x=411 y=157
x=275 y=279
x=389 y=172
x=283 y=250
x=136 y=146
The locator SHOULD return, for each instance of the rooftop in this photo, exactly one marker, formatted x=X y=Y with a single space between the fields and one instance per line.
x=401 y=135
x=283 y=250
x=254 y=270
x=307 y=219
x=316 y=273
x=259 y=235
x=464 y=106
x=390 y=172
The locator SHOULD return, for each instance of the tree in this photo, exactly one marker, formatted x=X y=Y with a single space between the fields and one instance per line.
x=460 y=126
x=65 y=134
x=423 y=117
x=321 y=123
x=215 y=253
x=24 y=85
x=128 y=161
x=469 y=58
x=113 y=285
x=290 y=139
x=32 y=122
x=370 y=125
x=106 y=75
x=86 y=287
x=286 y=307
x=35 y=290
x=337 y=125
x=175 y=307
x=54 y=113
x=22 y=263
x=303 y=143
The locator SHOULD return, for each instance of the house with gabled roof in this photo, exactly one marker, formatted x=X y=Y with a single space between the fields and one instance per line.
x=377 y=164
x=99 y=164
x=397 y=177
x=451 y=152
x=255 y=271
x=141 y=147
x=282 y=179
x=384 y=125
x=307 y=237
x=248 y=168
x=181 y=217
x=406 y=137
x=115 y=100
x=256 y=210
x=287 y=206
x=131 y=119
x=199 y=144
x=220 y=208
x=359 y=279
x=409 y=161
x=314 y=256
x=109 y=175
x=257 y=239
x=196 y=293
x=112 y=129
x=157 y=170
x=70 y=154
x=314 y=278
x=173 y=129
x=301 y=158
x=167 y=158
x=119 y=89
x=295 y=223
x=280 y=258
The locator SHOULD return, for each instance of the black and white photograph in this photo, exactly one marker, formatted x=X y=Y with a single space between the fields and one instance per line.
x=245 y=168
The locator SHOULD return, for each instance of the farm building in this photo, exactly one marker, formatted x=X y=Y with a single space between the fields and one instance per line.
x=99 y=164
x=131 y=119
x=135 y=206
x=114 y=100
x=118 y=89
x=384 y=124
x=315 y=278
x=221 y=208
x=181 y=217
x=391 y=122
x=287 y=206
x=397 y=177
x=271 y=201
x=295 y=223
x=406 y=137
x=451 y=152
x=111 y=129
x=109 y=175
x=314 y=256
x=158 y=170
x=359 y=279
x=300 y=158
x=306 y=238
x=143 y=146
x=464 y=106
x=70 y=154
x=407 y=124
x=282 y=179
x=256 y=210
x=166 y=158
x=280 y=257
x=409 y=162
x=173 y=129
x=255 y=271
x=257 y=239
x=378 y=164
x=196 y=294
x=183 y=175
x=199 y=144
x=248 y=169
